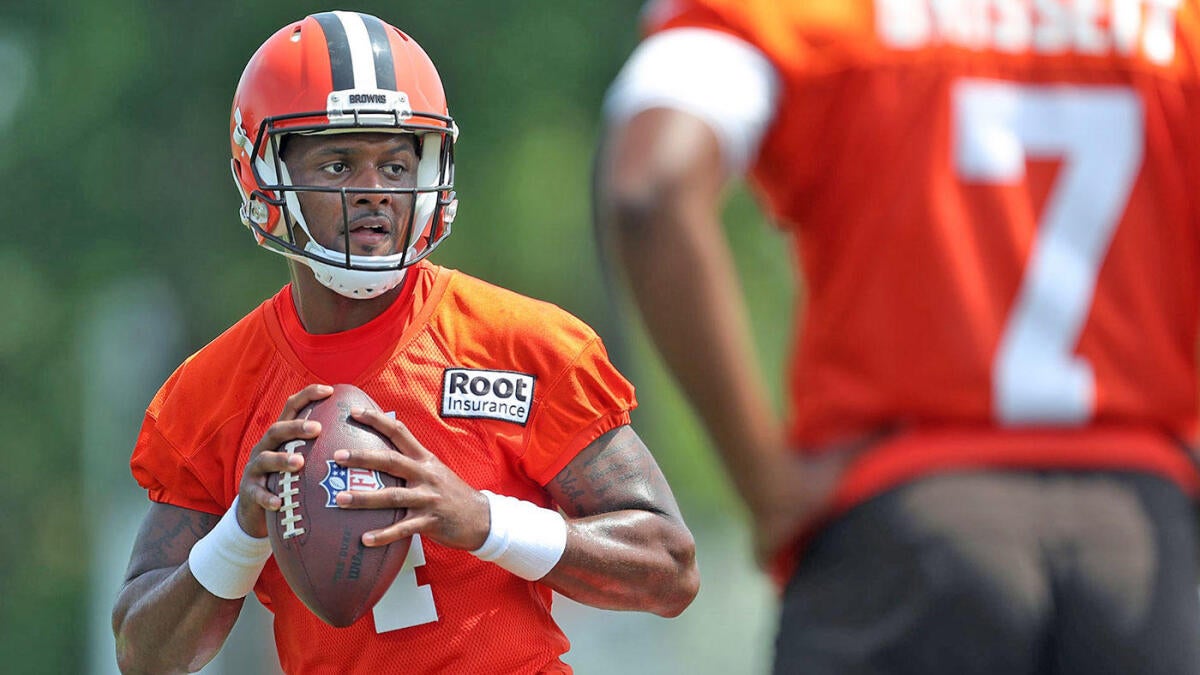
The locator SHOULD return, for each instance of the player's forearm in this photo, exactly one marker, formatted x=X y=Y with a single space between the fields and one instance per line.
x=166 y=622
x=682 y=277
x=628 y=560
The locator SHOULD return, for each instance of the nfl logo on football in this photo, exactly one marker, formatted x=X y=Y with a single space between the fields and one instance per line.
x=338 y=478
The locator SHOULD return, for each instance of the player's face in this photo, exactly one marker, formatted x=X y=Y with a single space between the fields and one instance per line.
x=377 y=221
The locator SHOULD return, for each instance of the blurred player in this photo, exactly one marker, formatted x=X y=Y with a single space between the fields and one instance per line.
x=983 y=466
x=506 y=409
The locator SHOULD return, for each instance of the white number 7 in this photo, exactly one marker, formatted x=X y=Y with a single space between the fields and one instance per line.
x=1097 y=131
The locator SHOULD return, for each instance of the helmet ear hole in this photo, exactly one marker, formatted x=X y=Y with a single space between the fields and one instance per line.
x=242 y=174
x=239 y=181
x=254 y=213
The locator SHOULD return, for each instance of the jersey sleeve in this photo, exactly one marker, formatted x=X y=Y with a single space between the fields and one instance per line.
x=587 y=399
x=194 y=434
x=163 y=468
x=713 y=75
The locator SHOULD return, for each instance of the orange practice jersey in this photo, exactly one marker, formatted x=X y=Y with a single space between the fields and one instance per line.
x=992 y=202
x=447 y=611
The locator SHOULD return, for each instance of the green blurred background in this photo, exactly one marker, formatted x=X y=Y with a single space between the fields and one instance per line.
x=121 y=252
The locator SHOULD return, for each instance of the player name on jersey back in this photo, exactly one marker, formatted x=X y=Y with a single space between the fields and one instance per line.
x=1049 y=27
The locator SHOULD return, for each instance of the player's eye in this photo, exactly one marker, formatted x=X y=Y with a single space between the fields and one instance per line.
x=336 y=168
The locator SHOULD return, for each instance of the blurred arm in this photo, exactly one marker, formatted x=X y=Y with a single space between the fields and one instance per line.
x=627 y=545
x=659 y=198
x=164 y=620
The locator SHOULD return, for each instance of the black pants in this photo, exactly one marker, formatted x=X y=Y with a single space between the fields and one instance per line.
x=1001 y=572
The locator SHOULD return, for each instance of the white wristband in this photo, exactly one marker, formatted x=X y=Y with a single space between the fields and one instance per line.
x=524 y=539
x=227 y=561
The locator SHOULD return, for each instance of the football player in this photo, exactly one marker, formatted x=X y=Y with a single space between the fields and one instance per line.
x=507 y=411
x=983 y=466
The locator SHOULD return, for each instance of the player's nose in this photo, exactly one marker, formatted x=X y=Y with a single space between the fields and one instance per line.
x=374 y=189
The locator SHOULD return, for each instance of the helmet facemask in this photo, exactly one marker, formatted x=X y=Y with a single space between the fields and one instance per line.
x=432 y=206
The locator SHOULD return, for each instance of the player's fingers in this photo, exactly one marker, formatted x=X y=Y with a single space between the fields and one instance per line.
x=378 y=459
x=280 y=434
x=260 y=496
x=297 y=401
x=391 y=498
x=396 y=431
x=269 y=462
x=397 y=531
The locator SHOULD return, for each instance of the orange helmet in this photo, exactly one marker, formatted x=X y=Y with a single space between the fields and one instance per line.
x=336 y=72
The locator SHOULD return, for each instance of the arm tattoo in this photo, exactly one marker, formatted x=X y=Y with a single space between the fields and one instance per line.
x=614 y=465
x=615 y=472
x=167 y=542
x=571 y=487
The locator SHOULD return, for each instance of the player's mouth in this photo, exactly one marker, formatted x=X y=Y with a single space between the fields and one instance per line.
x=368 y=232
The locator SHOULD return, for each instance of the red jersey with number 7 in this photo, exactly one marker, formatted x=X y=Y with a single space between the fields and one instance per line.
x=993 y=204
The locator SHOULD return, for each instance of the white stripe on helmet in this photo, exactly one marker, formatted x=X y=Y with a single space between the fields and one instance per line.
x=362 y=56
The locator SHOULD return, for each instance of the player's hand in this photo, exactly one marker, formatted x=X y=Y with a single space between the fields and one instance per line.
x=796 y=491
x=266 y=458
x=441 y=506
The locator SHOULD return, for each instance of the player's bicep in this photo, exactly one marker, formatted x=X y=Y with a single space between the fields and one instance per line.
x=615 y=472
x=661 y=156
x=166 y=537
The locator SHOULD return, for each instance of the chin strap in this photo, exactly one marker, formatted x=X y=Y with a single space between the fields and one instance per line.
x=353 y=284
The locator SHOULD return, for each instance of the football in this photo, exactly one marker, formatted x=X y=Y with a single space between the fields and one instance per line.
x=317 y=545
